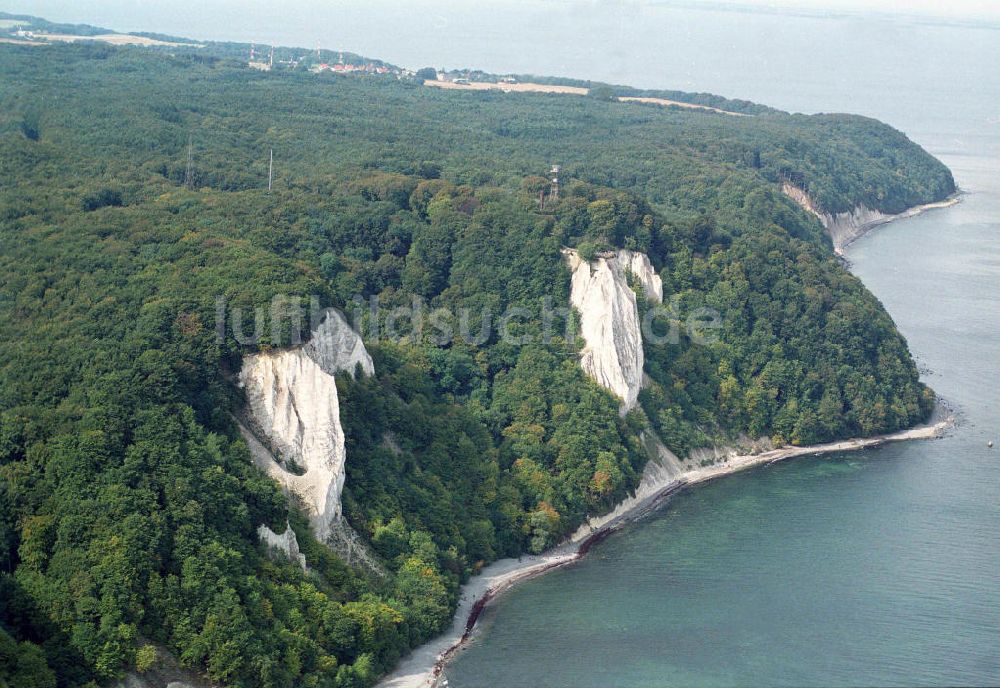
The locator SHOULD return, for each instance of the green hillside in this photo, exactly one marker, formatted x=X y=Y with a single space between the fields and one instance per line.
x=128 y=503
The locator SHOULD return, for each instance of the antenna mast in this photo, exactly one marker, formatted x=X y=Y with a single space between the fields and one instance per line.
x=554 y=193
x=189 y=173
x=270 y=171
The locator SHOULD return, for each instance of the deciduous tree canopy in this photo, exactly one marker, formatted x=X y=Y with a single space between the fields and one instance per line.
x=129 y=502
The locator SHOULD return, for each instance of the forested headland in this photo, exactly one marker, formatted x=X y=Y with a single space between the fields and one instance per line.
x=133 y=194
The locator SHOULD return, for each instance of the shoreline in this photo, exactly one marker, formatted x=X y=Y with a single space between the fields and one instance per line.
x=862 y=231
x=847 y=227
x=423 y=667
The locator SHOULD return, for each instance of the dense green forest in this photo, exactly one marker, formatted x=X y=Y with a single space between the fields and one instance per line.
x=128 y=502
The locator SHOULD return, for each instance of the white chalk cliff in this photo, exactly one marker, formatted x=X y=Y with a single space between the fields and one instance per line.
x=613 y=357
x=292 y=405
x=609 y=318
x=336 y=347
x=638 y=265
x=843 y=227
x=286 y=543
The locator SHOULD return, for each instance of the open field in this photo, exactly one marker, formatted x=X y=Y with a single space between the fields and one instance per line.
x=571 y=90
x=509 y=88
x=677 y=103
x=113 y=39
x=16 y=41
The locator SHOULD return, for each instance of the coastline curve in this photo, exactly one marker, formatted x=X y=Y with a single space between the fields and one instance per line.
x=424 y=667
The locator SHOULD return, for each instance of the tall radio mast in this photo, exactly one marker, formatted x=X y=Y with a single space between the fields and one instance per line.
x=270 y=171
x=189 y=173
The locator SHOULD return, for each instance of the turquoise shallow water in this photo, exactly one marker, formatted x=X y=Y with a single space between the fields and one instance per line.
x=778 y=577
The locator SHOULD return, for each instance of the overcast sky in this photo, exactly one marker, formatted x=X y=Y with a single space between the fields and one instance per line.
x=949 y=8
x=73 y=9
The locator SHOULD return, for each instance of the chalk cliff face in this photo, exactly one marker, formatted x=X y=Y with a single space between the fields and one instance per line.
x=639 y=266
x=843 y=227
x=286 y=543
x=336 y=347
x=609 y=318
x=292 y=404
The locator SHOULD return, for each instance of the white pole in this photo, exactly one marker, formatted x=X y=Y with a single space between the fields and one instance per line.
x=189 y=173
x=270 y=171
